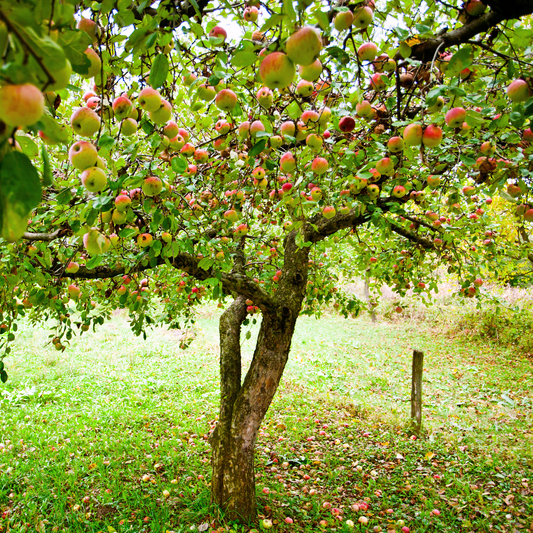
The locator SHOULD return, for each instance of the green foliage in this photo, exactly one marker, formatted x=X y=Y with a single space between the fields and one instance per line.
x=504 y=326
x=391 y=238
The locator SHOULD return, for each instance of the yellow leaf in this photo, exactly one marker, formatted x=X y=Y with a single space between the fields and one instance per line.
x=412 y=41
x=429 y=456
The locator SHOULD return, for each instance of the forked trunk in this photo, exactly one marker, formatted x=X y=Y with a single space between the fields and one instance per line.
x=242 y=408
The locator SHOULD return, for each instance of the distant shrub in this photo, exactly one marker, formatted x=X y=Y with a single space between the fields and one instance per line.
x=510 y=323
x=504 y=325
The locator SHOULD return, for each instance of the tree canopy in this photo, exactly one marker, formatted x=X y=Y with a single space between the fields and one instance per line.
x=155 y=155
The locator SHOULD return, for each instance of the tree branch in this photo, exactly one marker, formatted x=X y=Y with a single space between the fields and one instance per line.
x=47 y=237
x=426 y=50
x=318 y=228
x=231 y=282
x=417 y=239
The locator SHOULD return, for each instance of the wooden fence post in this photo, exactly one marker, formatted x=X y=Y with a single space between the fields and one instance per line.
x=416 y=389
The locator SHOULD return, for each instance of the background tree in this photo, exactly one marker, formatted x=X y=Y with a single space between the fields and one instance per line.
x=155 y=157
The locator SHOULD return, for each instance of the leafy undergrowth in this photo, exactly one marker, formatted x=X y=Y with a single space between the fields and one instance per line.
x=112 y=434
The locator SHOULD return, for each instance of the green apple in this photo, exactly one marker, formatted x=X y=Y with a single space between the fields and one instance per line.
x=304 y=46
x=95 y=243
x=95 y=64
x=82 y=155
x=163 y=114
x=21 y=105
x=85 y=122
x=94 y=179
x=149 y=99
x=277 y=70
x=311 y=72
x=152 y=186
x=128 y=127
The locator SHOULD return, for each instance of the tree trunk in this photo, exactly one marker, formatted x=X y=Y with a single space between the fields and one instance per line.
x=243 y=407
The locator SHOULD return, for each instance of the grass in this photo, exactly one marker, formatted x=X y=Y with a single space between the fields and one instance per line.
x=111 y=435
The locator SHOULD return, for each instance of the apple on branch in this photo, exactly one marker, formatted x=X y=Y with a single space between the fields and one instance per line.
x=21 y=105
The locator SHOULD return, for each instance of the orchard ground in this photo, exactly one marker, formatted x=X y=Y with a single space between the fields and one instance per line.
x=111 y=435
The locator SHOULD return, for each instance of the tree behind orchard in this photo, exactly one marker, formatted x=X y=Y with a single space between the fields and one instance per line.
x=152 y=159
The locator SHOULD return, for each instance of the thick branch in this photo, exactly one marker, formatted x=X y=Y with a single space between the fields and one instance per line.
x=231 y=282
x=426 y=51
x=500 y=10
x=47 y=237
x=318 y=228
x=413 y=237
x=511 y=10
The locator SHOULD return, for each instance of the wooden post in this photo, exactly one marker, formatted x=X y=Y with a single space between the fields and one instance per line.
x=416 y=389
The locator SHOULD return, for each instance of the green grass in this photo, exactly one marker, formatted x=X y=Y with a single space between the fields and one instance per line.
x=93 y=436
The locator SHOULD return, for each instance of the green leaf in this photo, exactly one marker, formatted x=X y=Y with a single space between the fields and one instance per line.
x=94 y=261
x=457 y=91
x=47 y=170
x=196 y=8
x=74 y=43
x=179 y=165
x=3 y=376
x=56 y=133
x=506 y=196
x=20 y=193
x=289 y=10
x=159 y=71
x=469 y=161
x=206 y=263
x=473 y=118
x=322 y=19
x=274 y=20
x=257 y=148
x=294 y=110
x=339 y=54
x=510 y=69
x=106 y=142
x=528 y=108
x=197 y=29
x=28 y=145
x=432 y=95
x=460 y=60
x=401 y=33
x=106 y=6
x=422 y=28
x=125 y=233
x=404 y=49
x=517 y=119
x=136 y=36
x=243 y=59
x=151 y=40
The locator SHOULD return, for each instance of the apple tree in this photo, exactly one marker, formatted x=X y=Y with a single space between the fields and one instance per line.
x=157 y=155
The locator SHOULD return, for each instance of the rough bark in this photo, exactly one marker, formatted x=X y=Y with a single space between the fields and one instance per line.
x=223 y=460
x=500 y=10
x=243 y=407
